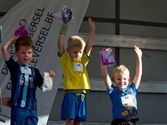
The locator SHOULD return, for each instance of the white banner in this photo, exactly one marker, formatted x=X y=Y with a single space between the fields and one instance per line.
x=38 y=15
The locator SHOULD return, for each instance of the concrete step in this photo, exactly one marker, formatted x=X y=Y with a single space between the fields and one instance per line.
x=87 y=123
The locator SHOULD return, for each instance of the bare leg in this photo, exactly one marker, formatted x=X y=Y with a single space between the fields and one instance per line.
x=76 y=122
x=69 y=122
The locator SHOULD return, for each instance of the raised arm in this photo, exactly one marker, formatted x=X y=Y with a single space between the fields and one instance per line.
x=91 y=34
x=138 y=72
x=62 y=33
x=106 y=77
x=7 y=45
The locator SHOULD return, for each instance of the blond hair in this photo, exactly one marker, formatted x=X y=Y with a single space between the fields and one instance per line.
x=76 y=41
x=121 y=69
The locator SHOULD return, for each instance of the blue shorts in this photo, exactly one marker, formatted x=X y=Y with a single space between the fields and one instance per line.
x=74 y=106
x=21 y=116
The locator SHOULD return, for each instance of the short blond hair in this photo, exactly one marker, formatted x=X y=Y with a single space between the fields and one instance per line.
x=76 y=41
x=121 y=69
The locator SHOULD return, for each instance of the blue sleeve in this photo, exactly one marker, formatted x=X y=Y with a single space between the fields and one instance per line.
x=111 y=89
x=133 y=87
x=38 y=78
x=10 y=62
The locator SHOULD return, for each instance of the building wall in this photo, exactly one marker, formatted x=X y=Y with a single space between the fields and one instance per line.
x=143 y=18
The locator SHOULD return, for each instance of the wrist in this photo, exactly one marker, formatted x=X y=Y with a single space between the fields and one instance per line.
x=11 y=41
x=63 y=29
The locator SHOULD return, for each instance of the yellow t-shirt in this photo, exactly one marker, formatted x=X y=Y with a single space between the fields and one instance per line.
x=75 y=72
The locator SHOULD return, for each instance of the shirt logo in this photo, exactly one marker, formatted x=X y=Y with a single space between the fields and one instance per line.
x=26 y=70
x=127 y=100
x=78 y=67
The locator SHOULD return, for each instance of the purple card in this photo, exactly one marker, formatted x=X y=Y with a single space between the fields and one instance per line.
x=107 y=57
x=21 y=31
x=66 y=14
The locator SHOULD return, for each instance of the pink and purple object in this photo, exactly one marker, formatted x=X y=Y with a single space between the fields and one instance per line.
x=107 y=57
x=21 y=31
x=66 y=14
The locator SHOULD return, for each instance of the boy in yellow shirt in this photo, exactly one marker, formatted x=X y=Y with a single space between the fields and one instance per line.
x=73 y=61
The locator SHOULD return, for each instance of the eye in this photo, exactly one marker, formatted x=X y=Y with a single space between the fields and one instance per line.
x=29 y=52
x=23 y=52
x=118 y=78
x=125 y=78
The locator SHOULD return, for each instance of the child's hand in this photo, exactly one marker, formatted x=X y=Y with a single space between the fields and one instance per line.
x=91 y=24
x=138 y=51
x=51 y=73
x=14 y=37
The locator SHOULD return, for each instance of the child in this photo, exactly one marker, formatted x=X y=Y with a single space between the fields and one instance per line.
x=25 y=79
x=73 y=61
x=122 y=92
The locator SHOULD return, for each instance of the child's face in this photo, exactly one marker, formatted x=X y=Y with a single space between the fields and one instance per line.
x=24 y=54
x=75 y=52
x=121 y=80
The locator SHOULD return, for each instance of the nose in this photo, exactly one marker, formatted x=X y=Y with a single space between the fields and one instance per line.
x=76 y=54
x=27 y=54
x=122 y=80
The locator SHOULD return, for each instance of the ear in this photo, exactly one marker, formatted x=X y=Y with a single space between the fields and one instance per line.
x=15 y=53
x=129 y=78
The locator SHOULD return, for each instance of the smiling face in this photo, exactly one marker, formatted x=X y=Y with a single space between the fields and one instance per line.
x=121 y=76
x=24 y=54
x=24 y=49
x=121 y=80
